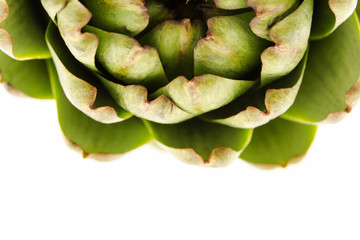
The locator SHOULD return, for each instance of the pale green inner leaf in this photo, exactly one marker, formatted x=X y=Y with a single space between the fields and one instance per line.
x=75 y=76
x=231 y=4
x=291 y=36
x=126 y=60
x=268 y=13
x=125 y=16
x=230 y=49
x=175 y=42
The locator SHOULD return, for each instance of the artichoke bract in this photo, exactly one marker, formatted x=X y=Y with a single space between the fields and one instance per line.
x=209 y=80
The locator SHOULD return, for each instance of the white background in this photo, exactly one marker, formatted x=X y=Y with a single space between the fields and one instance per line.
x=49 y=192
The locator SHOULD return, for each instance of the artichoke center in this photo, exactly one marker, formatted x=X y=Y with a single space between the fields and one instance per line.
x=152 y=42
x=185 y=8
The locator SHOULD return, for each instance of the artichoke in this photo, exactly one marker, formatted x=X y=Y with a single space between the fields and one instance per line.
x=209 y=80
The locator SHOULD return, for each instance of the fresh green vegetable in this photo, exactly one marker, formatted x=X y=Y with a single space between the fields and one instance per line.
x=210 y=80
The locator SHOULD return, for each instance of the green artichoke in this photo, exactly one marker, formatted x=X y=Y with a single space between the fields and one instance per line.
x=209 y=80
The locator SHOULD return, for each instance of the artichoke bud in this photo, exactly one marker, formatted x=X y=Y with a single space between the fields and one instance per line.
x=162 y=40
x=205 y=71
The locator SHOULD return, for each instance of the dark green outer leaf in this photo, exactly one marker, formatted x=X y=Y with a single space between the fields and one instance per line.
x=22 y=29
x=278 y=142
x=29 y=77
x=330 y=82
x=330 y=14
x=91 y=136
x=202 y=143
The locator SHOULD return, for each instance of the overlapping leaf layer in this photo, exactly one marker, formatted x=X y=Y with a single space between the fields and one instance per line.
x=210 y=80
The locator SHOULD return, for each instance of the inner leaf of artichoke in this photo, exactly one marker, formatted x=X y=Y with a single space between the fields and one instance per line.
x=153 y=42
